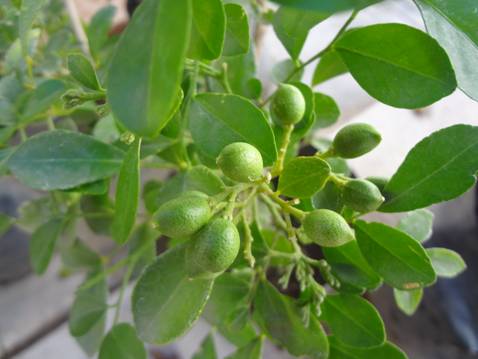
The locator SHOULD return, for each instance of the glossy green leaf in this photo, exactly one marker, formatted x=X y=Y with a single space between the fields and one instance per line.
x=385 y=59
x=329 y=66
x=252 y=350
x=353 y=320
x=281 y=319
x=122 y=343
x=29 y=10
x=144 y=76
x=42 y=244
x=408 y=300
x=82 y=71
x=398 y=258
x=453 y=24
x=127 y=194
x=386 y=351
x=303 y=177
x=418 y=224
x=207 y=30
x=330 y=6
x=237 y=31
x=216 y=120
x=447 y=263
x=440 y=167
x=62 y=159
x=166 y=302
x=207 y=349
x=327 y=111
x=292 y=27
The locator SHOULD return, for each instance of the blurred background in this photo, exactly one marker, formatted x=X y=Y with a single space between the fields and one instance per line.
x=34 y=310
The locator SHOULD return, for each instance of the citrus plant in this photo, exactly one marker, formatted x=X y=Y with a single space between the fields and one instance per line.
x=262 y=241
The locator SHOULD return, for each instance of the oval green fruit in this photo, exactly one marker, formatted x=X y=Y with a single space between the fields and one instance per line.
x=183 y=216
x=241 y=162
x=362 y=195
x=327 y=228
x=380 y=182
x=287 y=106
x=213 y=249
x=355 y=140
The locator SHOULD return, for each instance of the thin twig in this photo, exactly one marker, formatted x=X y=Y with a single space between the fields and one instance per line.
x=77 y=26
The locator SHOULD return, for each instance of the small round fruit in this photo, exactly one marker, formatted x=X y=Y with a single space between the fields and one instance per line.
x=213 y=249
x=183 y=216
x=355 y=140
x=327 y=228
x=362 y=195
x=241 y=162
x=288 y=105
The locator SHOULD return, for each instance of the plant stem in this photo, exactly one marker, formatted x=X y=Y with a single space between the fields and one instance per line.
x=77 y=26
x=248 y=239
x=279 y=165
x=283 y=204
x=225 y=79
x=124 y=284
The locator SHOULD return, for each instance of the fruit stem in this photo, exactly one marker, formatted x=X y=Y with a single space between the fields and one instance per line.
x=299 y=214
x=248 y=239
x=279 y=165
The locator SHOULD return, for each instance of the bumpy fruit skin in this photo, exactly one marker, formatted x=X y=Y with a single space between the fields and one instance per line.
x=362 y=195
x=241 y=162
x=327 y=228
x=183 y=216
x=287 y=106
x=213 y=249
x=380 y=182
x=355 y=140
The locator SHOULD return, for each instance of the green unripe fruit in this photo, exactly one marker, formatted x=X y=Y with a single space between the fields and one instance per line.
x=327 y=228
x=241 y=162
x=213 y=249
x=183 y=216
x=361 y=195
x=355 y=140
x=287 y=106
x=380 y=182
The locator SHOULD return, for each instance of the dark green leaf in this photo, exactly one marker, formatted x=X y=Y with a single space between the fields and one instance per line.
x=417 y=224
x=280 y=318
x=397 y=257
x=388 y=351
x=303 y=177
x=408 y=300
x=353 y=320
x=42 y=244
x=385 y=59
x=292 y=26
x=90 y=341
x=453 y=24
x=207 y=349
x=327 y=111
x=144 y=76
x=99 y=28
x=62 y=159
x=329 y=66
x=446 y=262
x=82 y=71
x=122 y=343
x=40 y=100
x=252 y=350
x=237 y=31
x=217 y=120
x=166 y=302
x=127 y=194
x=93 y=189
x=329 y=6
x=440 y=167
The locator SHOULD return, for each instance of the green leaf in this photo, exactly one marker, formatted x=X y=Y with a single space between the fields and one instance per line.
x=307 y=121
x=89 y=308
x=385 y=59
x=62 y=159
x=252 y=350
x=281 y=319
x=440 y=167
x=453 y=24
x=144 y=76
x=283 y=69
x=122 y=343
x=329 y=6
x=127 y=194
x=29 y=10
x=166 y=302
x=418 y=224
x=79 y=256
x=237 y=31
x=96 y=188
x=42 y=244
x=388 y=351
x=99 y=28
x=241 y=70
x=329 y=66
x=207 y=349
x=292 y=27
x=447 y=263
x=82 y=71
x=303 y=177
x=207 y=30
x=353 y=320
x=327 y=111
x=98 y=204
x=216 y=120
x=143 y=236
x=90 y=341
x=408 y=300
x=394 y=255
